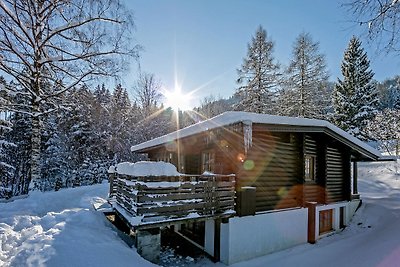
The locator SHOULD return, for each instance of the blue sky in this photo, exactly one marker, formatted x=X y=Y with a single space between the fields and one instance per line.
x=201 y=43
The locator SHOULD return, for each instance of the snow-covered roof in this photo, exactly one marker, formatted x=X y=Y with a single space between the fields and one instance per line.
x=233 y=117
x=145 y=168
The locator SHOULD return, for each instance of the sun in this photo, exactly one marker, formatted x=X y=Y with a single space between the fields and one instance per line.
x=177 y=100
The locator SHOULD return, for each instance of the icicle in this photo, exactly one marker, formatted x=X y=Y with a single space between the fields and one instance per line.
x=247 y=135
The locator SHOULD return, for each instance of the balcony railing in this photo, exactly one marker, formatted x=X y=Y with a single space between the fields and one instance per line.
x=154 y=199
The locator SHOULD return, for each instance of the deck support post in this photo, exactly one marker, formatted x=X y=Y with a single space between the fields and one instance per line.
x=148 y=244
x=312 y=208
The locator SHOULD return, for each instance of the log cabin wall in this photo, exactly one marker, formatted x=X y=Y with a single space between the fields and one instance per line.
x=314 y=189
x=225 y=143
x=273 y=166
x=337 y=174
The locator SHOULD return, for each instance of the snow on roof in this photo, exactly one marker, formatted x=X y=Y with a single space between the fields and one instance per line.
x=233 y=117
x=145 y=168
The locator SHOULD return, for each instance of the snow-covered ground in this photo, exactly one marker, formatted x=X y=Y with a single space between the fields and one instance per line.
x=62 y=229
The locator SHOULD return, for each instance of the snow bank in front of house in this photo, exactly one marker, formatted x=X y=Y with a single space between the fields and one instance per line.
x=145 y=168
x=62 y=229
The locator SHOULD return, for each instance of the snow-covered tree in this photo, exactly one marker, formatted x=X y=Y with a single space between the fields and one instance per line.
x=258 y=75
x=389 y=93
x=55 y=167
x=148 y=93
x=385 y=128
x=101 y=116
x=210 y=107
x=20 y=135
x=49 y=47
x=305 y=81
x=355 y=98
x=6 y=169
x=121 y=120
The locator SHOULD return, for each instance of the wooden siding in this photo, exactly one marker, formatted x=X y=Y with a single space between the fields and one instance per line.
x=226 y=144
x=272 y=166
x=314 y=190
x=335 y=183
x=192 y=164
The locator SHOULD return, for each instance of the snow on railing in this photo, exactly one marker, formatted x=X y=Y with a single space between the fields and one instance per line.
x=151 y=199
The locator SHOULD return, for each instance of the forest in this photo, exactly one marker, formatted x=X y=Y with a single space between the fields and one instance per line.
x=60 y=127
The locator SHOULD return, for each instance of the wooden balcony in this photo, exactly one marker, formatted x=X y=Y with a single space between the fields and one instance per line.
x=159 y=199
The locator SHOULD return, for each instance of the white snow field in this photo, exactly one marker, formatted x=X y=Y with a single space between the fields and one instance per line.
x=62 y=229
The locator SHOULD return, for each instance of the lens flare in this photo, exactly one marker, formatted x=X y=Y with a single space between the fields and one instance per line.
x=177 y=100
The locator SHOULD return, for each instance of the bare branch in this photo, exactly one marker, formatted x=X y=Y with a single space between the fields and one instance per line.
x=380 y=20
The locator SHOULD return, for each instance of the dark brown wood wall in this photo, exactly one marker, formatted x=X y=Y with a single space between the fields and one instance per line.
x=314 y=189
x=272 y=166
x=335 y=178
x=226 y=144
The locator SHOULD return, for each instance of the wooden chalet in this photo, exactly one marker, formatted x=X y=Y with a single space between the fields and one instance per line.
x=287 y=181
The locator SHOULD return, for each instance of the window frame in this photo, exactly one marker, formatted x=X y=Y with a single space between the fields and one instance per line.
x=309 y=167
x=207 y=161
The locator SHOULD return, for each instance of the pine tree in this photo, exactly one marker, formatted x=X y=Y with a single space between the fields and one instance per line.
x=258 y=76
x=389 y=93
x=101 y=118
x=20 y=135
x=355 y=98
x=55 y=168
x=305 y=81
x=120 y=116
x=6 y=169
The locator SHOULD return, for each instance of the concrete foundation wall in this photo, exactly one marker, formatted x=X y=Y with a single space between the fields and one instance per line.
x=209 y=237
x=349 y=210
x=148 y=244
x=244 y=238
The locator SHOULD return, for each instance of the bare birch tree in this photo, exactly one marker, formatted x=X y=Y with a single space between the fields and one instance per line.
x=51 y=46
x=380 y=20
x=148 y=93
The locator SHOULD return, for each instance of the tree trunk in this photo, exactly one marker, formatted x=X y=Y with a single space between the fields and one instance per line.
x=35 y=173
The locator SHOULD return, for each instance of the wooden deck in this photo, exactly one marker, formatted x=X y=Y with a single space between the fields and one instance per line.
x=161 y=199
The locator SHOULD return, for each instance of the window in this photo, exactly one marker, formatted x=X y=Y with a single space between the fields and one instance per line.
x=309 y=168
x=166 y=157
x=208 y=162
